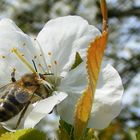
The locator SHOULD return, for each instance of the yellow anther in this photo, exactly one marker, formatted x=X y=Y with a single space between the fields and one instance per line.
x=3 y=56
x=49 y=53
x=55 y=62
x=19 y=55
x=35 y=57
x=14 y=69
x=49 y=66
x=22 y=54
x=40 y=66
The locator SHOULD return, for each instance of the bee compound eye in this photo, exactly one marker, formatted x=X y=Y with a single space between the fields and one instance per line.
x=27 y=83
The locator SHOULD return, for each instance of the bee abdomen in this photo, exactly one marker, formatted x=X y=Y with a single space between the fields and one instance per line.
x=9 y=108
x=11 y=98
x=4 y=115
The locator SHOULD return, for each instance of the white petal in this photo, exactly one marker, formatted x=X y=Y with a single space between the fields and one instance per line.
x=107 y=102
x=108 y=97
x=42 y=108
x=23 y=43
x=35 y=112
x=63 y=37
x=7 y=25
x=75 y=81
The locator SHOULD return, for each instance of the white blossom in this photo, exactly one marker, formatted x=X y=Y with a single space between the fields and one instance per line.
x=55 y=49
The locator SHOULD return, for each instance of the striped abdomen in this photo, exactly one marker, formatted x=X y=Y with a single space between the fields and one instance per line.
x=9 y=107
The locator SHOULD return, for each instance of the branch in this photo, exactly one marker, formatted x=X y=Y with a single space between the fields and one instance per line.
x=134 y=11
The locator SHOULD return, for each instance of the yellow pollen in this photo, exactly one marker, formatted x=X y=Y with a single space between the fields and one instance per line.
x=19 y=55
x=49 y=53
x=40 y=65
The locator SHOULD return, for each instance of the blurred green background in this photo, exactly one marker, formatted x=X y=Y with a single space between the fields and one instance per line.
x=123 y=49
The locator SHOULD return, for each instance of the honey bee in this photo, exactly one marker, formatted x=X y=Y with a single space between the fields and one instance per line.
x=16 y=96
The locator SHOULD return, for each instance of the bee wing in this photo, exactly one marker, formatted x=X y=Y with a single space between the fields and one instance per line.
x=42 y=108
x=21 y=95
x=5 y=88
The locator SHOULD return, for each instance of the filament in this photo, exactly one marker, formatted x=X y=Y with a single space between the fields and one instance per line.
x=43 y=57
x=19 y=55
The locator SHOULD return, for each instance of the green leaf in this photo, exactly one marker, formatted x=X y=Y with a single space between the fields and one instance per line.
x=2 y=130
x=89 y=134
x=84 y=105
x=24 y=134
x=78 y=60
x=65 y=131
x=131 y=134
x=138 y=134
x=82 y=113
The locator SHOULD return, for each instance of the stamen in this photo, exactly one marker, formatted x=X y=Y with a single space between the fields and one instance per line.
x=42 y=54
x=49 y=66
x=24 y=44
x=55 y=70
x=22 y=54
x=14 y=69
x=19 y=55
x=55 y=62
x=35 y=57
x=41 y=66
x=49 y=53
x=3 y=56
x=52 y=63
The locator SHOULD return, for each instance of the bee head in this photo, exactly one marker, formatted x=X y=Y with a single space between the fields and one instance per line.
x=29 y=80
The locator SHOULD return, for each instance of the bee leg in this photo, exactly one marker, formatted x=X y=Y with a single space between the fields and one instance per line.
x=22 y=114
x=13 y=79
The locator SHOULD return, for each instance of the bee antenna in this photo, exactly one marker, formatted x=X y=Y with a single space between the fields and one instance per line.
x=34 y=65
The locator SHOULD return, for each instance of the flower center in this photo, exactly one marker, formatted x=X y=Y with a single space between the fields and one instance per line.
x=53 y=80
x=50 y=75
